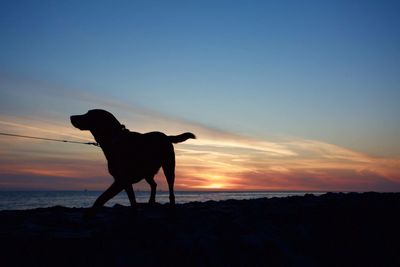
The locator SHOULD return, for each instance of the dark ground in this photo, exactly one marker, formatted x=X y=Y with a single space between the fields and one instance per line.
x=330 y=230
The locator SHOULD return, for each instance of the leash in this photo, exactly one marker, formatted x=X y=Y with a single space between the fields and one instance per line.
x=50 y=139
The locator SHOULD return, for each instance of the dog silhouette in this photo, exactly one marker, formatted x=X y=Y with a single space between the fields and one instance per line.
x=131 y=156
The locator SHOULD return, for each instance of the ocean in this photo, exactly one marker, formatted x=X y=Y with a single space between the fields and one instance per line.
x=23 y=200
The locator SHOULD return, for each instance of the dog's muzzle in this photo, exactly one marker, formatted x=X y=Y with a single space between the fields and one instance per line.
x=79 y=121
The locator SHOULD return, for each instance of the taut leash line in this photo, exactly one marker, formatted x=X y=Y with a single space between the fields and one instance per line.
x=50 y=139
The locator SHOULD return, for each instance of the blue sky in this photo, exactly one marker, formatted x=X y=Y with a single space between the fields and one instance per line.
x=320 y=70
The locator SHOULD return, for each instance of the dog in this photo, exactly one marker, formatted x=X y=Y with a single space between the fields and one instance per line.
x=131 y=156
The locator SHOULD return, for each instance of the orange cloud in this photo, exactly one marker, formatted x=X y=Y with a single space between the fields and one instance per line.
x=217 y=160
x=296 y=164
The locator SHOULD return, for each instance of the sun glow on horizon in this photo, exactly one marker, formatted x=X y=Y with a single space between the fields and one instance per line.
x=211 y=186
x=212 y=181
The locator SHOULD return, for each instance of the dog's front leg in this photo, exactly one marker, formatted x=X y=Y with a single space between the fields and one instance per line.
x=153 y=187
x=113 y=190
x=131 y=195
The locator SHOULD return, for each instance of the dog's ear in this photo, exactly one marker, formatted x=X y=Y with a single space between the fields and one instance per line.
x=103 y=120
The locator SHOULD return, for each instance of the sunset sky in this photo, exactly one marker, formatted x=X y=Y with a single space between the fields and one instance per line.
x=282 y=95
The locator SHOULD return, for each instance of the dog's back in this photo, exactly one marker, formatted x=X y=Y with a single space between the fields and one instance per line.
x=136 y=155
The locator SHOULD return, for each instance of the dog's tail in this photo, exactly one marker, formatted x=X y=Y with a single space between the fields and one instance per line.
x=180 y=138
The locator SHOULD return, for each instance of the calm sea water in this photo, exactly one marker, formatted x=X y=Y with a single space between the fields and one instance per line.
x=21 y=200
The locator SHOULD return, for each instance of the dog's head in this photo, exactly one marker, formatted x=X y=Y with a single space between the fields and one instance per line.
x=96 y=120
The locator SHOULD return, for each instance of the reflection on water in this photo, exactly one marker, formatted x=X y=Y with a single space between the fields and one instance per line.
x=20 y=200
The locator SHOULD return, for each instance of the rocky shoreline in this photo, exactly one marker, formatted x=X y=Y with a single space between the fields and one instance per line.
x=334 y=229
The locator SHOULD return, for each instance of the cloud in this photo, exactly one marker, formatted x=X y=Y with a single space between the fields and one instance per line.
x=40 y=182
x=314 y=165
x=218 y=159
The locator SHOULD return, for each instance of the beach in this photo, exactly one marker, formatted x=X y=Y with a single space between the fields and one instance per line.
x=333 y=229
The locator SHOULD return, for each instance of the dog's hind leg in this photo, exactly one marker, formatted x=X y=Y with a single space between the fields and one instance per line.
x=153 y=186
x=131 y=195
x=169 y=171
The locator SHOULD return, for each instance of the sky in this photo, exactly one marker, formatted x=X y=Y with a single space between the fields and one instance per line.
x=282 y=95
